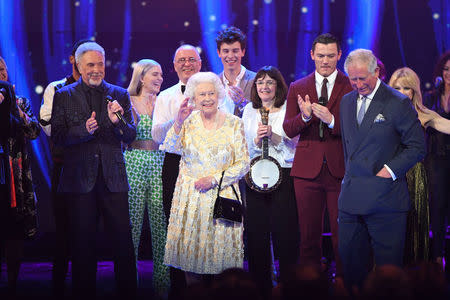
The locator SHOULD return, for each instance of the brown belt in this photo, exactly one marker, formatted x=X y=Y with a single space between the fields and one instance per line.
x=144 y=145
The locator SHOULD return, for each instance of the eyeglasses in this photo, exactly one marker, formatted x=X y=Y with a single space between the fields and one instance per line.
x=183 y=60
x=268 y=82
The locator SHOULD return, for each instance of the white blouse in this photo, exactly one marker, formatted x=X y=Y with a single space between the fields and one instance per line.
x=284 y=151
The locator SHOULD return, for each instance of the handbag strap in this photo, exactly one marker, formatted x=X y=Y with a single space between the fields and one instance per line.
x=232 y=186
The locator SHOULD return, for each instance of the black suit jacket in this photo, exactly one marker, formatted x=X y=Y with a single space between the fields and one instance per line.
x=83 y=152
x=390 y=134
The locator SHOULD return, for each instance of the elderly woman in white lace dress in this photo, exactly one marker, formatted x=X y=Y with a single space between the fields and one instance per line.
x=209 y=141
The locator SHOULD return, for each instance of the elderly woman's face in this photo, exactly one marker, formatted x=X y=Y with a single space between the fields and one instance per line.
x=3 y=72
x=206 y=98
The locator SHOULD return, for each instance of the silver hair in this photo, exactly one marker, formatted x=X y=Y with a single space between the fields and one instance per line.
x=186 y=47
x=204 y=77
x=89 y=46
x=139 y=70
x=363 y=56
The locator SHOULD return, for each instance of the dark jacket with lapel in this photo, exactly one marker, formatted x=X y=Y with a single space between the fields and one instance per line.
x=390 y=134
x=311 y=150
x=84 y=152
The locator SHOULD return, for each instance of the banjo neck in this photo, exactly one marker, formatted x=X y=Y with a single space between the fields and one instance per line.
x=265 y=140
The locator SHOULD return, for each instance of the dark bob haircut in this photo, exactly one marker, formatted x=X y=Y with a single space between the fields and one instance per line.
x=280 y=93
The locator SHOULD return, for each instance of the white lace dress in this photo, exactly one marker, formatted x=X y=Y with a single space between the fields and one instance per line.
x=195 y=241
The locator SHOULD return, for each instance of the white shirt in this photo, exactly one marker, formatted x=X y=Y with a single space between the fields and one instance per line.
x=330 y=84
x=368 y=98
x=284 y=151
x=228 y=102
x=166 y=110
x=45 y=112
x=238 y=78
x=368 y=101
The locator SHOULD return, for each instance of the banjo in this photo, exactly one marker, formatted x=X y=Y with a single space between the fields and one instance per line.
x=265 y=171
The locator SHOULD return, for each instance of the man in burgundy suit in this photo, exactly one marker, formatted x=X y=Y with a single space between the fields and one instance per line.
x=318 y=168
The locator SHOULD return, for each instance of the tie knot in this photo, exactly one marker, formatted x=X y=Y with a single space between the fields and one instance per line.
x=183 y=88
x=325 y=81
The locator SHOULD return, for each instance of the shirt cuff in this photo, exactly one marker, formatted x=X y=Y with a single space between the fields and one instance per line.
x=390 y=172
x=306 y=120
x=331 y=125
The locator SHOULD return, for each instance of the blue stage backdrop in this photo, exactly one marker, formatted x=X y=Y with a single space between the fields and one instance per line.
x=36 y=37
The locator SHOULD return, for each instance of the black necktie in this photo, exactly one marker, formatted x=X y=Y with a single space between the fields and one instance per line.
x=183 y=88
x=324 y=92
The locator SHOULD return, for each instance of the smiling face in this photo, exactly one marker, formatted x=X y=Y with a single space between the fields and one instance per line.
x=325 y=58
x=186 y=63
x=152 y=80
x=361 y=79
x=206 y=98
x=231 y=55
x=266 y=87
x=92 y=68
x=446 y=73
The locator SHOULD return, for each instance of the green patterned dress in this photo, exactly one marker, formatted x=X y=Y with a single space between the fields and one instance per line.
x=417 y=232
x=144 y=176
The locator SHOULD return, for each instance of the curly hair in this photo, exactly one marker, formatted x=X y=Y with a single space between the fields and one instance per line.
x=230 y=35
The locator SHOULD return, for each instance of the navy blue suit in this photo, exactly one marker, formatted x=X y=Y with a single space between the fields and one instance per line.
x=373 y=209
x=94 y=181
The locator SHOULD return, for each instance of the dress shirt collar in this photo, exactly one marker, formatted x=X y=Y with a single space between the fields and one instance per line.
x=331 y=79
x=238 y=78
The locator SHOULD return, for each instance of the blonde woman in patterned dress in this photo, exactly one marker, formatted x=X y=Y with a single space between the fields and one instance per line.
x=144 y=165
x=209 y=141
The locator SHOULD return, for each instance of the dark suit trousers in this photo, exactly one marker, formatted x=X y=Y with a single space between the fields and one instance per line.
x=60 y=213
x=273 y=214
x=313 y=197
x=383 y=232
x=84 y=210
x=169 y=174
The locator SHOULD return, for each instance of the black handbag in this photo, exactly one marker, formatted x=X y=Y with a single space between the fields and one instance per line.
x=226 y=208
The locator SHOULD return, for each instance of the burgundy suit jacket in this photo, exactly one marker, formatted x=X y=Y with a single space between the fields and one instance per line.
x=310 y=150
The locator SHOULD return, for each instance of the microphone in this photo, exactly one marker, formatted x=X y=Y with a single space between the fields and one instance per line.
x=323 y=102
x=118 y=114
x=437 y=81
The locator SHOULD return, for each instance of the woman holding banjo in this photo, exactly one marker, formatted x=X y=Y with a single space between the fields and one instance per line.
x=271 y=213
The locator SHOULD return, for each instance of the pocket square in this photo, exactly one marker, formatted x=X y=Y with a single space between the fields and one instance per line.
x=379 y=118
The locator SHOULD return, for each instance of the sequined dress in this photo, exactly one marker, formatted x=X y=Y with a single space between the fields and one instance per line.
x=418 y=223
x=195 y=241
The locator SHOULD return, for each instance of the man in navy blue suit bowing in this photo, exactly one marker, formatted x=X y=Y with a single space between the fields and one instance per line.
x=382 y=139
x=93 y=176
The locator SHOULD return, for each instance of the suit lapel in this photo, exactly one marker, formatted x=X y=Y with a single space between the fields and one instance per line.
x=107 y=91
x=338 y=86
x=311 y=88
x=244 y=81
x=376 y=106
x=82 y=99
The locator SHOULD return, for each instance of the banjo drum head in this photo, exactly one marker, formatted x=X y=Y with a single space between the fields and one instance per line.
x=265 y=173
